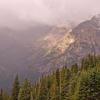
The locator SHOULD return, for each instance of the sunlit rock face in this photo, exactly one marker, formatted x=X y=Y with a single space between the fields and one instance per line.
x=87 y=40
x=59 y=39
x=59 y=43
x=65 y=46
x=52 y=47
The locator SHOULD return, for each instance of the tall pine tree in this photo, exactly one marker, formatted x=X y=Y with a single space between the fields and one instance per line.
x=15 y=89
x=25 y=91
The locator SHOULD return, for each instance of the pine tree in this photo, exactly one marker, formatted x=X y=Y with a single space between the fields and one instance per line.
x=89 y=88
x=62 y=84
x=72 y=87
x=1 y=94
x=58 y=83
x=65 y=76
x=4 y=95
x=15 y=90
x=45 y=88
x=53 y=88
x=88 y=62
x=25 y=91
x=74 y=68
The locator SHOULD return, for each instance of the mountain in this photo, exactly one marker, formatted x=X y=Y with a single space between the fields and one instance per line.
x=64 y=45
x=87 y=35
x=16 y=50
x=79 y=82
x=51 y=47
x=34 y=49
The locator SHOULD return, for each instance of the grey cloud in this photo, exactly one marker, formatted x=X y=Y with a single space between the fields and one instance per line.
x=50 y=11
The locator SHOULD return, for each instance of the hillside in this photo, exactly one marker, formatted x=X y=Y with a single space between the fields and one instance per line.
x=16 y=50
x=68 y=83
x=64 y=43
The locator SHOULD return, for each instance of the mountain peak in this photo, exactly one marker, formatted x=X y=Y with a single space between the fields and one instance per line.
x=96 y=19
x=97 y=16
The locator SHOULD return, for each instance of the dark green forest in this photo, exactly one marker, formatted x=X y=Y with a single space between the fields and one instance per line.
x=81 y=81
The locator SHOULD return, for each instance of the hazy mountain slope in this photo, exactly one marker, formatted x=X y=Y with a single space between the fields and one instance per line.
x=88 y=36
x=16 y=50
x=87 y=40
x=63 y=46
x=34 y=50
x=51 y=47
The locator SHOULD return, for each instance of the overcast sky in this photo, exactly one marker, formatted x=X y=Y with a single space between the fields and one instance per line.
x=49 y=11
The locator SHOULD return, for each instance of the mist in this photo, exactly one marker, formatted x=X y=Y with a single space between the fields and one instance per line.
x=48 y=11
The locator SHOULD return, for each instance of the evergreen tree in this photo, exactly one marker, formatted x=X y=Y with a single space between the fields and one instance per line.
x=58 y=83
x=62 y=84
x=15 y=90
x=25 y=91
x=65 y=76
x=43 y=90
x=74 y=68
x=89 y=88
x=1 y=94
x=53 y=88
x=72 y=87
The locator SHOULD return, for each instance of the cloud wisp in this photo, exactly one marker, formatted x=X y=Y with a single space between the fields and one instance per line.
x=49 y=11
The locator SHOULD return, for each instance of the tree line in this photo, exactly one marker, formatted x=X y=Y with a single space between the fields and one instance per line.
x=78 y=82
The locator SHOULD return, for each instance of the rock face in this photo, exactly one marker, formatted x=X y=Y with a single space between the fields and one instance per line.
x=51 y=49
x=88 y=36
x=87 y=40
x=64 y=46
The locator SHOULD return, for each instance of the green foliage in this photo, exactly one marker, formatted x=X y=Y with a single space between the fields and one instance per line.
x=15 y=90
x=89 y=88
x=74 y=83
x=74 y=68
x=3 y=95
x=25 y=91
x=89 y=62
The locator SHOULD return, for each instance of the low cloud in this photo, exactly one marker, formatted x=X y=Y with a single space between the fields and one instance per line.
x=49 y=11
